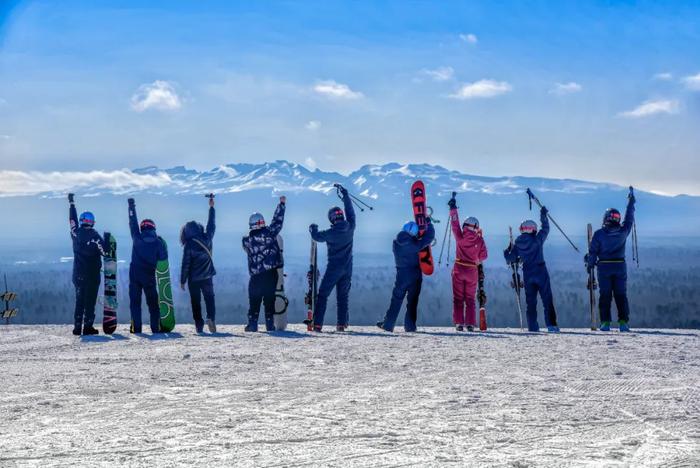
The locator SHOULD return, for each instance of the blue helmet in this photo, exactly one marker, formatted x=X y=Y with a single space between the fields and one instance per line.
x=411 y=228
x=336 y=214
x=87 y=219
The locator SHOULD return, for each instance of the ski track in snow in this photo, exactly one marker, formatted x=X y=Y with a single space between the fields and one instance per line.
x=363 y=398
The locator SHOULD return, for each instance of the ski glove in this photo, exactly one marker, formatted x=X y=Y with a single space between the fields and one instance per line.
x=131 y=201
x=313 y=227
x=71 y=198
x=452 y=203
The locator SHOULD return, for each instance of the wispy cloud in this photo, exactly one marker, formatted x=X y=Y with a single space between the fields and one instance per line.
x=561 y=89
x=664 y=76
x=334 y=90
x=19 y=183
x=482 y=89
x=469 y=38
x=649 y=108
x=159 y=95
x=692 y=82
x=313 y=125
x=439 y=74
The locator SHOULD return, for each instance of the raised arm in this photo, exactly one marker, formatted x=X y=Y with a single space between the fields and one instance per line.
x=544 y=221
x=349 y=209
x=211 y=222
x=629 y=214
x=454 y=223
x=133 y=220
x=428 y=236
x=72 y=215
x=278 y=218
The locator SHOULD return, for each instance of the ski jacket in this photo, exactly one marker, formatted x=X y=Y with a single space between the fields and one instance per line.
x=261 y=245
x=529 y=247
x=406 y=247
x=339 y=237
x=608 y=243
x=197 y=261
x=88 y=249
x=471 y=248
x=147 y=250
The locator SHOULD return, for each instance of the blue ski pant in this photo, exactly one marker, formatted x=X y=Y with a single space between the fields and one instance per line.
x=612 y=281
x=137 y=288
x=340 y=279
x=407 y=285
x=86 y=290
x=197 y=290
x=537 y=282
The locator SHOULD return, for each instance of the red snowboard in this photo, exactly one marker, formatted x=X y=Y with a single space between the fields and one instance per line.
x=418 y=200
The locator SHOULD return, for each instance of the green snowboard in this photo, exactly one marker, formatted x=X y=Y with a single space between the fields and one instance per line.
x=165 y=293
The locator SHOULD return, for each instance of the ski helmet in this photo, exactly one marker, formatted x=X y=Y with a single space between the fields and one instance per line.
x=87 y=219
x=471 y=223
x=411 y=228
x=528 y=227
x=612 y=217
x=256 y=221
x=148 y=225
x=335 y=214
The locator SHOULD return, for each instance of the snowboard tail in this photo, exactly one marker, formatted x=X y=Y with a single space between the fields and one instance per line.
x=419 y=202
x=109 y=314
x=165 y=293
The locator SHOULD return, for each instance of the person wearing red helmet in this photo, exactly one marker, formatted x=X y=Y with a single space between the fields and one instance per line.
x=147 y=250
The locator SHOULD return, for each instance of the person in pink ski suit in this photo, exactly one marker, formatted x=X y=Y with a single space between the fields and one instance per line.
x=471 y=251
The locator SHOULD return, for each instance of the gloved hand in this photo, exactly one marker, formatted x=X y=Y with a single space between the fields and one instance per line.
x=131 y=202
x=544 y=211
x=71 y=198
x=452 y=203
x=632 y=199
x=313 y=228
x=283 y=200
x=343 y=191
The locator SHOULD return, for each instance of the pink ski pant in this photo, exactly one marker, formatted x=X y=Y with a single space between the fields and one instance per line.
x=464 y=283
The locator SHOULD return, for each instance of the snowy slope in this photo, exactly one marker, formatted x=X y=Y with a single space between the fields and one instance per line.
x=359 y=399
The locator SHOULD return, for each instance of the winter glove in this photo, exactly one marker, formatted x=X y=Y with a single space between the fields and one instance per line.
x=343 y=191
x=544 y=211
x=283 y=200
x=452 y=203
x=313 y=228
x=631 y=196
x=71 y=198
x=131 y=202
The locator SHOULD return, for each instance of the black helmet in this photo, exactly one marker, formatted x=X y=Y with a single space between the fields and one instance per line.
x=335 y=214
x=612 y=217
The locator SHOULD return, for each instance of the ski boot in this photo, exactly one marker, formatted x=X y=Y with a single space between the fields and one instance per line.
x=340 y=328
x=459 y=328
x=251 y=327
x=470 y=328
x=77 y=329
x=624 y=326
x=552 y=329
x=604 y=326
x=211 y=325
x=90 y=330
x=317 y=328
x=380 y=325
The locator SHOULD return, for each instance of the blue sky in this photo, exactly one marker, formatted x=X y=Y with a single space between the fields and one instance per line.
x=606 y=91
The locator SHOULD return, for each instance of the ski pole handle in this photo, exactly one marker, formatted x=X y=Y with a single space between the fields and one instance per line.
x=210 y=195
x=631 y=194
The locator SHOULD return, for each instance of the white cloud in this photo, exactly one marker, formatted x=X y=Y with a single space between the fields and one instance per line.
x=692 y=82
x=482 y=89
x=310 y=163
x=16 y=183
x=665 y=76
x=313 y=125
x=648 y=108
x=334 y=90
x=561 y=89
x=159 y=95
x=440 y=73
x=469 y=38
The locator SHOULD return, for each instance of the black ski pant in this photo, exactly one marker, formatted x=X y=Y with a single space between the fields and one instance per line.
x=612 y=281
x=86 y=289
x=138 y=288
x=340 y=279
x=197 y=290
x=537 y=281
x=407 y=285
x=261 y=289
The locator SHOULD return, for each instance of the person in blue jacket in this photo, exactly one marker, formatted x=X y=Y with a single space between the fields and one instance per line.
x=198 y=268
x=607 y=252
x=409 y=276
x=88 y=250
x=264 y=260
x=339 y=239
x=529 y=248
x=146 y=251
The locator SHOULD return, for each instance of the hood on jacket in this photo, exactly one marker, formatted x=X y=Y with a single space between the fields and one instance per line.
x=191 y=230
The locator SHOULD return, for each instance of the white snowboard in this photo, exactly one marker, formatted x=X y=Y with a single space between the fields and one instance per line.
x=281 y=301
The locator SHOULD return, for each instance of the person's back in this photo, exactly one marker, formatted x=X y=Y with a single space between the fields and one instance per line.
x=87 y=252
x=471 y=247
x=609 y=242
x=530 y=246
x=339 y=239
x=197 y=261
x=406 y=248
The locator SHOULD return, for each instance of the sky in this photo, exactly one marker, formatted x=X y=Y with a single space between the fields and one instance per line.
x=602 y=91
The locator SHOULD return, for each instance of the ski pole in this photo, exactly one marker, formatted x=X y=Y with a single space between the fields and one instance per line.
x=635 y=245
x=531 y=197
x=354 y=199
x=442 y=249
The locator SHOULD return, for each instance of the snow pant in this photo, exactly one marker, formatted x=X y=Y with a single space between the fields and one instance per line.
x=612 y=281
x=197 y=290
x=261 y=289
x=465 y=280
x=340 y=279
x=85 y=298
x=537 y=281
x=408 y=284
x=136 y=289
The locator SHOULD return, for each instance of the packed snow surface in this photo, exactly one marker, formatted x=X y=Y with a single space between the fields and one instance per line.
x=363 y=398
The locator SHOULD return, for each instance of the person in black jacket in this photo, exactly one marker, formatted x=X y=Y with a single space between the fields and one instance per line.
x=88 y=250
x=147 y=250
x=198 y=268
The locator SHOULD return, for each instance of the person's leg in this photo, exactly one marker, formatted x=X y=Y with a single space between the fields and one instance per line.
x=620 y=294
x=196 y=302
x=270 y=286
x=209 y=298
x=135 y=304
x=458 y=296
x=550 y=313
x=471 y=282
x=255 y=298
x=151 y=292
x=328 y=282
x=92 y=287
x=342 y=291
x=414 y=286
x=606 y=294
x=531 y=301
x=79 y=307
x=397 y=295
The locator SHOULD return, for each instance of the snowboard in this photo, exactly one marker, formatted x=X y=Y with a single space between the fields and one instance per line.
x=165 y=293
x=482 y=299
x=592 y=286
x=418 y=200
x=312 y=291
x=281 y=301
x=109 y=315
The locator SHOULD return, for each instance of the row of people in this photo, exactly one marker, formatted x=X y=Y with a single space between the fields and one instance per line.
x=606 y=253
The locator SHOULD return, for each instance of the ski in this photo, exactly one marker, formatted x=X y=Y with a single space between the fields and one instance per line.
x=281 y=300
x=311 y=293
x=482 y=299
x=109 y=315
x=419 y=202
x=516 y=282
x=592 y=286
